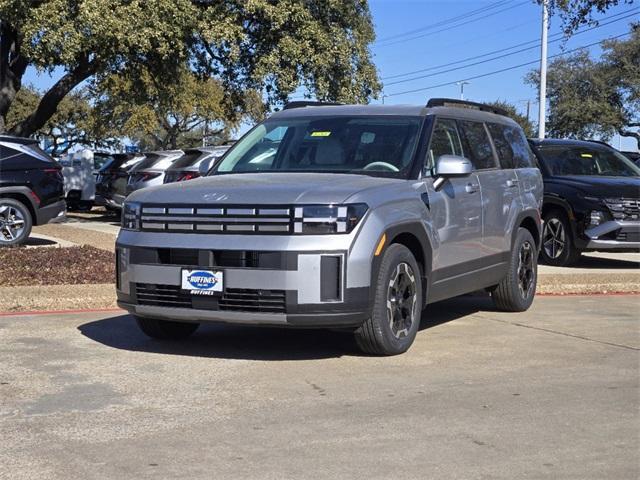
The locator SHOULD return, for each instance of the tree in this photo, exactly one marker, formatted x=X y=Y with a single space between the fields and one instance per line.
x=595 y=98
x=512 y=112
x=74 y=122
x=272 y=46
x=575 y=13
x=160 y=115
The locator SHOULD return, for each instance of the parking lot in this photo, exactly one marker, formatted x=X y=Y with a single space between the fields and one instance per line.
x=550 y=393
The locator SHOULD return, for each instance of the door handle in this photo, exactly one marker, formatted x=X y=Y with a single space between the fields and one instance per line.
x=513 y=182
x=471 y=187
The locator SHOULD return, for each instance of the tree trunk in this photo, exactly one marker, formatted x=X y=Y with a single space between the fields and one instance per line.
x=52 y=98
x=12 y=68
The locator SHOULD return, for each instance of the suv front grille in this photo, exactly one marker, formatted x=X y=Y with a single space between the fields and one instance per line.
x=208 y=219
x=624 y=208
x=162 y=296
x=232 y=299
x=244 y=299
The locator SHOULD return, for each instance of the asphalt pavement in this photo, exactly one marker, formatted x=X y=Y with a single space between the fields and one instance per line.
x=551 y=393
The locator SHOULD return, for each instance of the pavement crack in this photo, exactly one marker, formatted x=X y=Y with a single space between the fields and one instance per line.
x=556 y=332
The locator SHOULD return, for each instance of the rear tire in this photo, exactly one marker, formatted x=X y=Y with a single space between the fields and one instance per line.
x=397 y=306
x=558 y=248
x=15 y=222
x=517 y=289
x=165 y=329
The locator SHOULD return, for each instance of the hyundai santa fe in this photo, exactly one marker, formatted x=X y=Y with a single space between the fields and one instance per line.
x=341 y=216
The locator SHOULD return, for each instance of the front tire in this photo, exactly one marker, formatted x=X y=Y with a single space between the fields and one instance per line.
x=558 y=248
x=517 y=289
x=165 y=329
x=15 y=222
x=397 y=306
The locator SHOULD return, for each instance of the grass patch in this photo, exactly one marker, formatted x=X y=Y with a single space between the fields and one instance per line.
x=56 y=266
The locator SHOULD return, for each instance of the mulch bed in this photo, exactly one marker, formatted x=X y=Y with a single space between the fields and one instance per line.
x=56 y=266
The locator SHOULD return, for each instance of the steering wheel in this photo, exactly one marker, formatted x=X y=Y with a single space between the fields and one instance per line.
x=374 y=165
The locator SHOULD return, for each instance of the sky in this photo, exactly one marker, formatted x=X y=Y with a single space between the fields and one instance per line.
x=408 y=41
x=504 y=25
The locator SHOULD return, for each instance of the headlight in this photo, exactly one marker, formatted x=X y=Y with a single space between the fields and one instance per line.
x=131 y=216
x=328 y=219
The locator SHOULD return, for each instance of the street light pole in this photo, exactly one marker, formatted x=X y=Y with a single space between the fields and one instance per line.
x=462 y=84
x=542 y=107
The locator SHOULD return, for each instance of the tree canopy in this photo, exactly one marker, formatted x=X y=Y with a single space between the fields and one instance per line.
x=512 y=112
x=268 y=46
x=595 y=98
x=575 y=13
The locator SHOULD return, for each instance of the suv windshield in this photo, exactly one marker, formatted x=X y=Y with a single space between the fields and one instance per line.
x=562 y=160
x=373 y=145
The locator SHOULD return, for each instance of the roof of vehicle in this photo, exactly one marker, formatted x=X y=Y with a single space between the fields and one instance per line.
x=567 y=142
x=164 y=152
x=21 y=140
x=391 y=110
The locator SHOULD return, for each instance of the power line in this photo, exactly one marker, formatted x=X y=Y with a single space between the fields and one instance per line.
x=453 y=26
x=494 y=58
x=627 y=14
x=445 y=21
x=504 y=69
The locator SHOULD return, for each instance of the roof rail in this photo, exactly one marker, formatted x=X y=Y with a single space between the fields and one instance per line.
x=452 y=102
x=308 y=103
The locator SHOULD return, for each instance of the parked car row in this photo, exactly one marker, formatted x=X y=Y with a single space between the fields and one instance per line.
x=126 y=173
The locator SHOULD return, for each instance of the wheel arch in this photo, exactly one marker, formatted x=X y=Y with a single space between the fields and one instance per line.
x=413 y=236
x=21 y=196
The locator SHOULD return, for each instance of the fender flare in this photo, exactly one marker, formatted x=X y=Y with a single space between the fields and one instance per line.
x=27 y=193
x=417 y=230
x=532 y=214
x=565 y=206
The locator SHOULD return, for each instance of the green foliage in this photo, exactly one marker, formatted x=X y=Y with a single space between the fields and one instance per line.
x=595 y=98
x=161 y=115
x=575 y=13
x=270 y=46
x=512 y=112
x=74 y=121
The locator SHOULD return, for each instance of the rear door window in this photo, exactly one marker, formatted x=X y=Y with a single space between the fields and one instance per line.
x=511 y=145
x=445 y=140
x=481 y=152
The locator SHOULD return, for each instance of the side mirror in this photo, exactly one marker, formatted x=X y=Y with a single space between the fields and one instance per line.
x=451 y=166
x=205 y=166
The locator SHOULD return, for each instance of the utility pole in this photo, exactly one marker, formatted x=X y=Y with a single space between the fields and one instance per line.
x=462 y=84
x=542 y=107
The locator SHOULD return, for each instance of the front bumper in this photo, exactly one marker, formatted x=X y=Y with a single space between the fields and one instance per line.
x=49 y=212
x=614 y=235
x=289 y=288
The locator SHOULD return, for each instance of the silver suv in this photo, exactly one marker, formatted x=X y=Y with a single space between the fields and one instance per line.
x=342 y=217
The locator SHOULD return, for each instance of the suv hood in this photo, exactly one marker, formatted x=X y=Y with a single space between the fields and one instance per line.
x=263 y=189
x=601 y=186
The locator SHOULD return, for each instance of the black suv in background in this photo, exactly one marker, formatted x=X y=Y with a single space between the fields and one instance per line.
x=591 y=200
x=31 y=189
x=633 y=156
x=111 y=182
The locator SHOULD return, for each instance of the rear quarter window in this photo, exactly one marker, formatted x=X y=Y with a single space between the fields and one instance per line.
x=511 y=146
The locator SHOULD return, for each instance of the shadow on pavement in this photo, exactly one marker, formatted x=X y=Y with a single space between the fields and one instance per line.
x=261 y=343
x=95 y=215
x=38 y=242
x=601 y=262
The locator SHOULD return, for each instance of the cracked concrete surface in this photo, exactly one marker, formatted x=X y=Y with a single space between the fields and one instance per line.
x=550 y=393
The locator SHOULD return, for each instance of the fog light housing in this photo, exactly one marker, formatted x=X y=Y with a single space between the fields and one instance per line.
x=596 y=218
